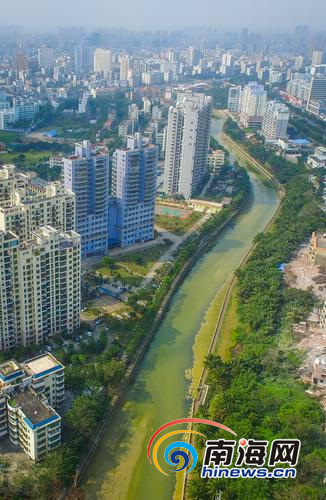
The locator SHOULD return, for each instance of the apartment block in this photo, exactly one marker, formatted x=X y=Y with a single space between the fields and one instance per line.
x=40 y=286
x=234 y=99
x=87 y=175
x=317 y=251
x=28 y=202
x=187 y=144
x=134 y=173
x=275 y=121
x=33 y=425
x=28 y=393
x=215 y=160
x=253 y=102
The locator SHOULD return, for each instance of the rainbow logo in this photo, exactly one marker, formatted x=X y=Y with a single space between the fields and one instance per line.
x=173 y=454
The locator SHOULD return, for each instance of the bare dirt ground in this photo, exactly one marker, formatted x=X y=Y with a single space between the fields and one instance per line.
x=310 y=338
x=15 y=457
x=300 y=273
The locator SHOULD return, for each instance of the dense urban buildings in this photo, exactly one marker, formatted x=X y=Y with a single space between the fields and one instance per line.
x=187 y=144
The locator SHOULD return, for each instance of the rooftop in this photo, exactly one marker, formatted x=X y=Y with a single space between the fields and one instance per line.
x=32 y=407
x=10 y=369
x=41 y=365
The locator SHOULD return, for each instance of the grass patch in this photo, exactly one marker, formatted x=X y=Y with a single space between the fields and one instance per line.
x=131 y=268
x=26 y=159
x=227 y=338
x=8 y=137
x=142 y=261
x=175 y=225
x=204 y=336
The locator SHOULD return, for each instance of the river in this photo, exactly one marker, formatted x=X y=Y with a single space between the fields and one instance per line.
x=120 y=469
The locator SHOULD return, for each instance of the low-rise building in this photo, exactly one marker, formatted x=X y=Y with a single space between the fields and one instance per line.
x=318 y=159
x=33 y=425
x=28 y=393
x=216 y=160
x=319 y=370
x=317 y=250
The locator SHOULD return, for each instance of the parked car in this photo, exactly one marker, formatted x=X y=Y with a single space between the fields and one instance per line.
x=89 y=334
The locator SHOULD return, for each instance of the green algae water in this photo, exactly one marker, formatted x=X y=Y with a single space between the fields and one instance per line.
x=120 y=469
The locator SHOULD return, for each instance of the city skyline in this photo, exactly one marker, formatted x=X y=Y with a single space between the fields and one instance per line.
x=255 y=15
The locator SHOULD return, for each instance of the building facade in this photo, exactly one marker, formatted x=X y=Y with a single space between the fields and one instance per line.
x=275 y=121
x=40 y=286
x=134 y=173
x=28 y=393
x=215 y=160
x=187 y=144
x=103 y=62
x=28 y=202
x=87 y=174
x=234 y=99
x=253 y=103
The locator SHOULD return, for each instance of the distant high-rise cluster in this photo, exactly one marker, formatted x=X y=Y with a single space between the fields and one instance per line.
x=187 y=144
x=251 y=104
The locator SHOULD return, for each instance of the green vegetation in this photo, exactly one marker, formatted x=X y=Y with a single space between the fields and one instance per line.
x=219 y=93
x=130 y=268
x=34 y=156
x=74 y=126
x=8 y=137
x=257 y=392
x=176 y=225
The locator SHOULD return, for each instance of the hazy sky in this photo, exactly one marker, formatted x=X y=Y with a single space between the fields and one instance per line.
x=271 y=15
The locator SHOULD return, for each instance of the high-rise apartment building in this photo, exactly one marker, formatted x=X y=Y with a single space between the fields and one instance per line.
x=28 y=202
x=40 y=286
x=20 y=61
x=124 y=68
x=87 y=174
x=78 y=59
x=103 y=62
x=317 y=92
x=275 y=120
x=317 y=58
x=234 y=99
x=253 y=102
x=45 y=57
x=187 y=144
x=299 y=86
x=134 y=173
x=37 y=219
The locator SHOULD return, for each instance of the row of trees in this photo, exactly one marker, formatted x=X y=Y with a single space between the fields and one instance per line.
x=258 y=393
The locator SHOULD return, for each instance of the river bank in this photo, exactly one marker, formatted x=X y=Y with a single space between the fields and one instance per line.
x=158 y=391
x=219 y=308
